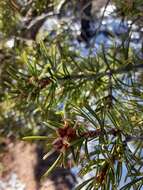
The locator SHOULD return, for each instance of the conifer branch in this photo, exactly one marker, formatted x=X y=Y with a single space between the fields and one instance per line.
x=125 y=69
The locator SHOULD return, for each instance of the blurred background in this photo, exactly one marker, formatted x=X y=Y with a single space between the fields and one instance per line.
x=85 y=26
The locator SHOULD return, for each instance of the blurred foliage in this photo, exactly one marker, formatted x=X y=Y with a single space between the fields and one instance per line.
x=86 y=108
x=130 y=8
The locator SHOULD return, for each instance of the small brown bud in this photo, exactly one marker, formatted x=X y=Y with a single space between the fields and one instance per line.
x=60 y=144
x=62 y=132
x=44 y=82
x=100 y=177
x=71 y=133
x=67 y=132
